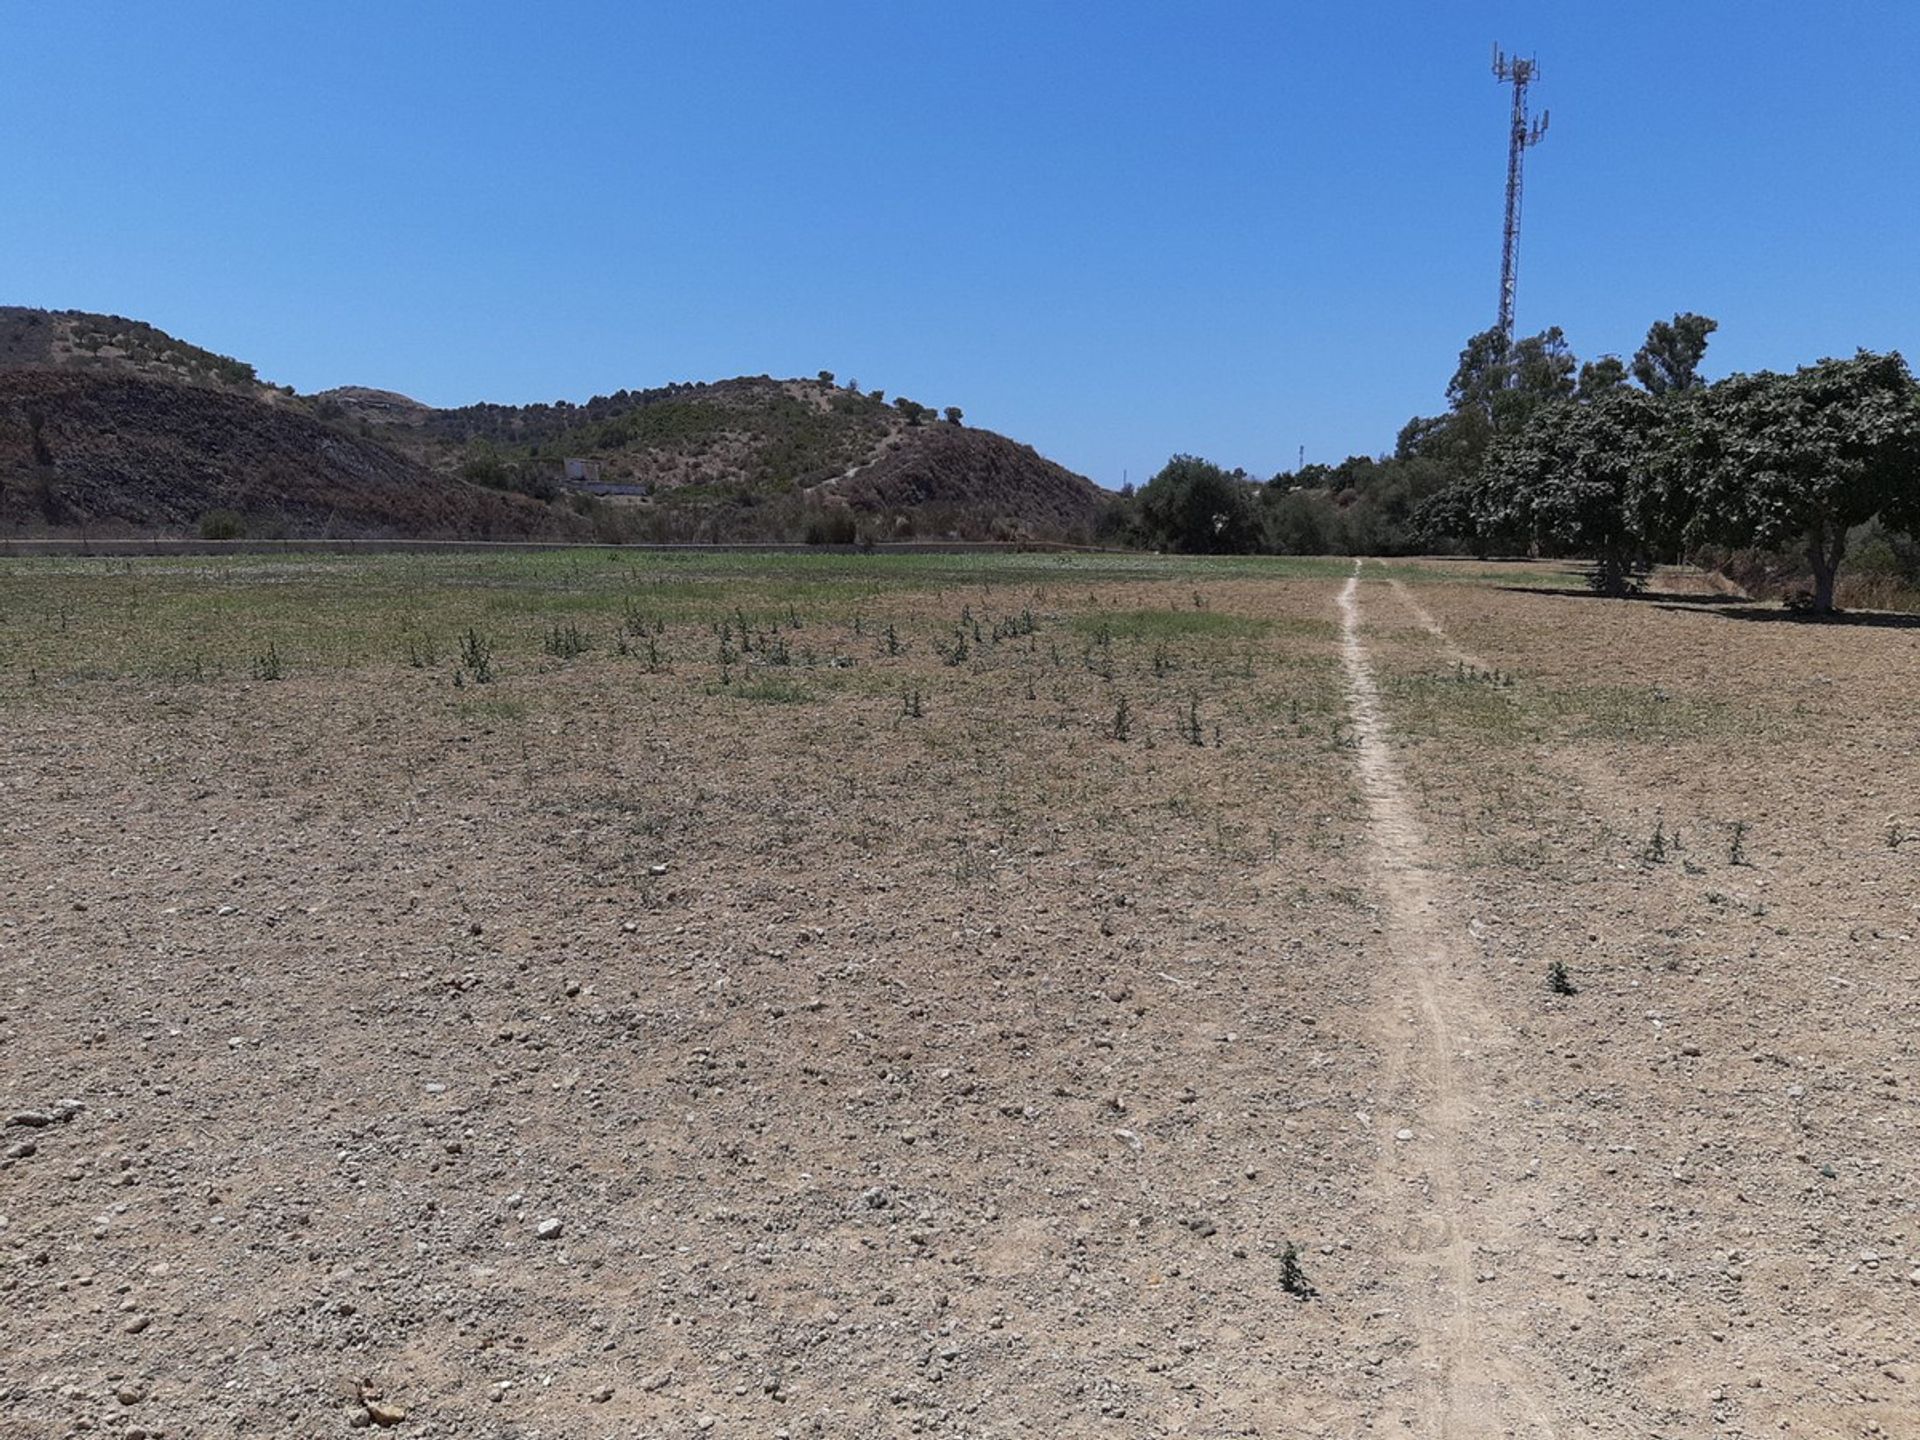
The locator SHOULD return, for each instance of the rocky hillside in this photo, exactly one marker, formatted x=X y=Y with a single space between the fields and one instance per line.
x=108 y=420
x=119 y=453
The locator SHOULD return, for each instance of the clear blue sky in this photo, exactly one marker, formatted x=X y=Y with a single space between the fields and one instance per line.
x=1113 y=230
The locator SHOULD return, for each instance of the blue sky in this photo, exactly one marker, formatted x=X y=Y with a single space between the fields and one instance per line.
x=1115 y=231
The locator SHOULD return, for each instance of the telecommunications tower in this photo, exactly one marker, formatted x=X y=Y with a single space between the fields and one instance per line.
x=1512 y=70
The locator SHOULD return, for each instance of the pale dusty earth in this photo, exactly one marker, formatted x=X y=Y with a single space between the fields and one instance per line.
x=968 y=1072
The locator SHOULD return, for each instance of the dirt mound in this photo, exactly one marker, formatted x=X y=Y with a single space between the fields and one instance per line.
x=100 y=448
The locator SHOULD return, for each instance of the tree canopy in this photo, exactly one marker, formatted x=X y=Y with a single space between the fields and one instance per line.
x=1623 y=463
x=1670 y=359
x=1772 y=460
x=1194 y=506
x=1583 y=479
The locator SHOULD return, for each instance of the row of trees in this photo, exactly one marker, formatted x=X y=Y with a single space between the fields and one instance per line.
x=1623 y=462
x=1629 y=475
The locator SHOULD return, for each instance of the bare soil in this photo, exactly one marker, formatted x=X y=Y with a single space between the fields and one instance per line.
x=904 y=1037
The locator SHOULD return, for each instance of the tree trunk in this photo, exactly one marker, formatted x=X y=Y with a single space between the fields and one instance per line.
x=1610 y=574
x=1826 y=543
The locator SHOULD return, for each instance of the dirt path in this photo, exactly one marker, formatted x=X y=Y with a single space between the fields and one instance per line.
x=1432 y=1024
x=1434 y=628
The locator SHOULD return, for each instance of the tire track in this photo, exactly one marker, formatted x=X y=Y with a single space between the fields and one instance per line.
x=1467 y=1383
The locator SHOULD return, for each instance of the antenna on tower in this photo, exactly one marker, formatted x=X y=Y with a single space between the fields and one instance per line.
x=1524 y=135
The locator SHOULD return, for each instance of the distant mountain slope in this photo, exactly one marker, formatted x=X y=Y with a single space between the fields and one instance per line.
x=119 y=451
x=105 y=419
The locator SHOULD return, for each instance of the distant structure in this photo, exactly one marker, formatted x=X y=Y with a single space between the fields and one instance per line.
x=582 y=471
x=1511 y=70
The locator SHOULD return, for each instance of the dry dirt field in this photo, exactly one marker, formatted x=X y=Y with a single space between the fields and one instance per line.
x=631 y=996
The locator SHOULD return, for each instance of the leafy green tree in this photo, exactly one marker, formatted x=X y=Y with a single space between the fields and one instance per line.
x=1670 y=359
x=1496 y=386
x=1447 y=518
x=1194 y=506
x=1297 y=520
x=826 y=377
x=1543 y=370
x=1362 y=506
x=1773 y=460
x=1118 y=520
x=1601 y=377
x=1584 y=479
x=955 y=414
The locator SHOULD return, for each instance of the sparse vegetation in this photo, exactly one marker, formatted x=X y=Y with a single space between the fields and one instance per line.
x=476 y=657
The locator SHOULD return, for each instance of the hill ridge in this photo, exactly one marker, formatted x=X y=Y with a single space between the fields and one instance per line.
x=749 y=457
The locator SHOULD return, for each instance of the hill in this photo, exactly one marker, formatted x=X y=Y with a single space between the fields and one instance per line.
x=77 y=340
x=119 y=452
x=753 y=453
x=110 y=420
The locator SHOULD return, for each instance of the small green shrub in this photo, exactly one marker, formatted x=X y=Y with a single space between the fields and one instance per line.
x=564 y=642
x=476 y=658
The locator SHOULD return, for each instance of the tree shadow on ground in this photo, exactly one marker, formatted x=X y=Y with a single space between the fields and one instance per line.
x=1677 y=598
x=1732 y=607
x=1866 y=619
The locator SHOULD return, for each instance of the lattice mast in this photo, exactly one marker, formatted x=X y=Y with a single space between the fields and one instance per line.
x=1519 y=73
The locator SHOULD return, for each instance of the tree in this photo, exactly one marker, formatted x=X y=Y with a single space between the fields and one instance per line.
x=1601 y=377
x=1584 y=479
x=826 y=377
x=1542 y=370
x=1193 y=505
x=955 y=414
x=1496 y=386
x=1299 y=521
x=1670 y=360
x=1362 y=506
x=1777 y=459
x=1447 y=518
